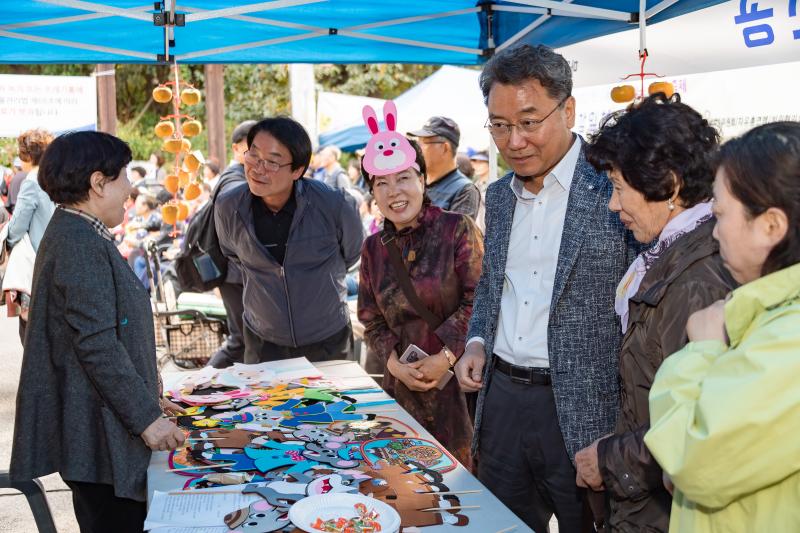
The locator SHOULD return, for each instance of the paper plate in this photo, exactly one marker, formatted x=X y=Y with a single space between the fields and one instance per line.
x=328 y=506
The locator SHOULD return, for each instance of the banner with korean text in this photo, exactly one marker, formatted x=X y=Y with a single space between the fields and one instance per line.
x=55 y=103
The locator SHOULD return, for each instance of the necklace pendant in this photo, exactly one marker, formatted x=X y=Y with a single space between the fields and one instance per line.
x=411 y=256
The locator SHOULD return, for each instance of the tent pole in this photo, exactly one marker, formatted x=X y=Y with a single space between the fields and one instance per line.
x=658 y=8
x=248 y=8
x=642 y=28
x=132 y=13
x=409 y=20
x=527 y=29
x=73 y=44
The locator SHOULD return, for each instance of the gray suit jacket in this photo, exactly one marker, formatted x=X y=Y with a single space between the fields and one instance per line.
x=89 y=384
x=583 y=330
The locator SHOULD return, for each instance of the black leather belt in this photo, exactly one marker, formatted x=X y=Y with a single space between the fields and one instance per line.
x=526 y=375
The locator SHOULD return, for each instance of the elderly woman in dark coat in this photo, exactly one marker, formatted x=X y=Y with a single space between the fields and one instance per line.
x=442 y=252
x=88 y=400
x=658 y=157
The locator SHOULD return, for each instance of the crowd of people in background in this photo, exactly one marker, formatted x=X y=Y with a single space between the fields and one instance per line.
x=610 y=330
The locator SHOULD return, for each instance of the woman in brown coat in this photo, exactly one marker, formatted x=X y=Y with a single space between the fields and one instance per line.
x=658 y=156
x=442 y=253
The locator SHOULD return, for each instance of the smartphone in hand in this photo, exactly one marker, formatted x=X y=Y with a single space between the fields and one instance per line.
x=414 y=353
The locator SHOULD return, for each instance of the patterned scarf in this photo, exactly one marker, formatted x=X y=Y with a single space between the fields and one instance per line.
x=682 y=224
x=97 y=224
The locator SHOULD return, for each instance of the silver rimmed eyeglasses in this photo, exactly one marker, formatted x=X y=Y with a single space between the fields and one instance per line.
x=501 y=130
x=263 y=164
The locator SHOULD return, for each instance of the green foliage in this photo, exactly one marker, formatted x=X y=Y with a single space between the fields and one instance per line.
x=255 y=91
x=142 y=142
x=8 y=150
x=251 y=92
x=375 y=80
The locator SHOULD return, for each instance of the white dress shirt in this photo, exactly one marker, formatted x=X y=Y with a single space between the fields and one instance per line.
x=531 y=263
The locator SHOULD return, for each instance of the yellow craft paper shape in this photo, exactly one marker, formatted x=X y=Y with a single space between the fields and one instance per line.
x=206 y=423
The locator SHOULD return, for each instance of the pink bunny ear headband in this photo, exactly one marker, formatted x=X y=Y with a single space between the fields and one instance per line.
x=387 y=151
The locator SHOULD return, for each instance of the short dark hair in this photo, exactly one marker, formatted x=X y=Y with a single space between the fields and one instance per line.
x=651 y=140
x=240 y=131
x=518 y=64
x=763 y=170
x=69 y=162
x=289 y=133
x=419 y=160
x=141 y=170
x=163 y=196
x=32 y=145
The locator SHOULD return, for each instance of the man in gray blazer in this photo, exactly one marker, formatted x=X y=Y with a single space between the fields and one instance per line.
x=543 y=340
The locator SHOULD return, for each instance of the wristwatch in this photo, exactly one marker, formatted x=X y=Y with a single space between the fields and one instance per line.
x=451 y=357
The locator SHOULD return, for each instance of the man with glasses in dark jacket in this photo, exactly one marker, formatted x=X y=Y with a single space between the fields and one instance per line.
x=294 y=239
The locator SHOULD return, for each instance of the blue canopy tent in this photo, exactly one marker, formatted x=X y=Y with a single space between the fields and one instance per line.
x=457 y=32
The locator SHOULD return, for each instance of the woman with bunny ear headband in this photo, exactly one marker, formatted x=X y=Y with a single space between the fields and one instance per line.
x=437 y=255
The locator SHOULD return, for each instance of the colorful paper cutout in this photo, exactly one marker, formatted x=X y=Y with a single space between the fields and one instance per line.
x=409 y=488
x=405 y=451
x=259 y=517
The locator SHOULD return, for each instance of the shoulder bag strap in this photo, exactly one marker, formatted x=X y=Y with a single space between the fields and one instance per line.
x=404 y=280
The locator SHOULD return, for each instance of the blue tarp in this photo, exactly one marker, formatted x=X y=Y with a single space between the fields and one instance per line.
x=300 y=31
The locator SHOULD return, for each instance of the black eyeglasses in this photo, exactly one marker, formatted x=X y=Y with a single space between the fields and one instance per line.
x=501 y=130
x=265 y=164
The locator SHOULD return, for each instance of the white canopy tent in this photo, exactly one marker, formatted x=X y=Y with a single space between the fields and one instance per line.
x=452 y=92
x=336 y=111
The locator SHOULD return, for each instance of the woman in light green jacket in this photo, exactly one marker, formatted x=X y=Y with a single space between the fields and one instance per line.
x=725 y=410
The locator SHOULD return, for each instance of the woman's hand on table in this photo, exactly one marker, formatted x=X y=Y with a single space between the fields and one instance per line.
x=169 y=408
x=163 y=435
x=409 y=374
x=434 y=367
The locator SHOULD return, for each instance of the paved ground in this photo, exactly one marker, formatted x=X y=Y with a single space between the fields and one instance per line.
x=15 y=515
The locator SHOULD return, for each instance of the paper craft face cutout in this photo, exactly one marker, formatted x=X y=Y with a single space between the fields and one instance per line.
x=213 y=398
x=260 y=517
x=223 y=438
x=406 y=451
x=382 y=427
x=388 y=151
x=409 y=488
x=285 y=493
